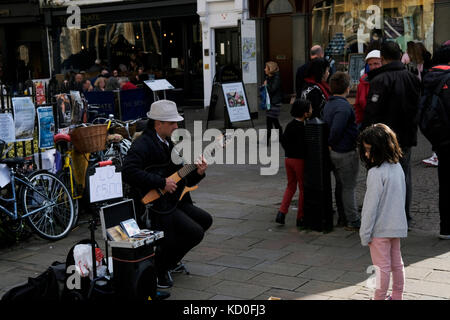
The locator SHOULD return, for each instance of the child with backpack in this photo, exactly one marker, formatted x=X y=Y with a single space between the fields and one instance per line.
x=383 y=219
x=293 y=142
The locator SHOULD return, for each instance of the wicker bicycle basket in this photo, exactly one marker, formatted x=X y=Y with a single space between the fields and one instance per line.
x=89 y=139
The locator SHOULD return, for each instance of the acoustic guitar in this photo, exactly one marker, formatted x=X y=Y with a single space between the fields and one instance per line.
x=163 y=202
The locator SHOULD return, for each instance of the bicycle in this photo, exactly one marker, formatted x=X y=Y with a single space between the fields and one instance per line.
x=46 y=203
x=118 y=146
x=63 y=145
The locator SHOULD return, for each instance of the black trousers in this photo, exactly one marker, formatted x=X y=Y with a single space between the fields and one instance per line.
x=405 y=162
x=273 y=123
x=184 y=228
x=444 y=188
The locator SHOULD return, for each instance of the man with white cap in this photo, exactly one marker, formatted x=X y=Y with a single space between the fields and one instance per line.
x=184 y=225
x=373 y=60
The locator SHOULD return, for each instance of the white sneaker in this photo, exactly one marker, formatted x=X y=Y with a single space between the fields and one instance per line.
x=444 y=236
x=432 y=161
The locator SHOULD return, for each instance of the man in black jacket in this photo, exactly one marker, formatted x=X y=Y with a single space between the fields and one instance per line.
x=184 y=225
x=438 y=78
x=393 y=99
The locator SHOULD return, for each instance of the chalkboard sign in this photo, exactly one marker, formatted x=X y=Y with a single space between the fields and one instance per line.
x=356 y=63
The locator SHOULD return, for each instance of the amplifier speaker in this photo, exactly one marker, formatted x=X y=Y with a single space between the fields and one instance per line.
x=134 y=272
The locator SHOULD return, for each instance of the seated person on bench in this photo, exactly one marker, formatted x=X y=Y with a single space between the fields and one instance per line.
x=146 y=167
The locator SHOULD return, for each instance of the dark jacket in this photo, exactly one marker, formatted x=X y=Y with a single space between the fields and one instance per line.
x=340 y=118
x=313 y=92
x=293 y=140
x=148 y=150
x=275 y=94
x=431 y=82
x=300 y=78
x=393 y=99
x=274 y=88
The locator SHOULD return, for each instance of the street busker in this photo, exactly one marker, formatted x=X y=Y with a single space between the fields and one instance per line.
x=383 y=219
x=293 y=142
x=146 y=167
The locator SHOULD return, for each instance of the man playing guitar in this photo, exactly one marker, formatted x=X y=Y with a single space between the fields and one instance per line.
x=147 y=165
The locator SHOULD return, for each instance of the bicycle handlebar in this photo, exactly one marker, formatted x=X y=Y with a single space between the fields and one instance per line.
x=105 y=163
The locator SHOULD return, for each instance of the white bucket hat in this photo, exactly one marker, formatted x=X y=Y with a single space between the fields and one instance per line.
x=373 y=54
x=164 y=110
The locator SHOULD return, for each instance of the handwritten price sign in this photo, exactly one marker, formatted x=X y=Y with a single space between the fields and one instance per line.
x=105 y=184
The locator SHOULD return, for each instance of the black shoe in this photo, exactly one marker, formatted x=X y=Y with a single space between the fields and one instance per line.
x=165 y=280
x=280 y=217
x=161 y=295
x=301 y=223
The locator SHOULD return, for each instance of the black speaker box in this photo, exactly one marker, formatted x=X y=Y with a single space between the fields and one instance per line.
x=134 y=272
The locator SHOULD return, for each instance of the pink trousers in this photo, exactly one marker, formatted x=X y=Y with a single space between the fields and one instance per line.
x=387 y=258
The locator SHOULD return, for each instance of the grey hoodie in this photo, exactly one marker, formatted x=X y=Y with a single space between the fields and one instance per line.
x=383 y=213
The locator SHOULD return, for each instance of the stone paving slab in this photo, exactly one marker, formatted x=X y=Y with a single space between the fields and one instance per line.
x=281 y=268
x=278 y=281
x=235 y=274
x=238 y=289
x=321 y=273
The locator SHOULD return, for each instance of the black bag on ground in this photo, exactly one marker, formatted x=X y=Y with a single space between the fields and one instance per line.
x=47 y=286
x=99 y=292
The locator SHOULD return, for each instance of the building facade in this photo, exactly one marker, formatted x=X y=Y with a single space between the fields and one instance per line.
x=343 y=27
x=164 y=37
x=23 y=42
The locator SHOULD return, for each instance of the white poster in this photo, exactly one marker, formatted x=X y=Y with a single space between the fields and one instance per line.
x=248 y=35
x=7 y=131
x=105 y=184
x=236 y=101
x=158 y=85
x=24 y=116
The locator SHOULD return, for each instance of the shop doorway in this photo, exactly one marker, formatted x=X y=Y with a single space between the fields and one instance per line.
x=227 y=50
x=279 y=48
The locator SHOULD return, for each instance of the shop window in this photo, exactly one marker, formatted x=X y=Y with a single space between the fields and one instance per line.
x=344 y=27
x=132 y=45
x=279 y=7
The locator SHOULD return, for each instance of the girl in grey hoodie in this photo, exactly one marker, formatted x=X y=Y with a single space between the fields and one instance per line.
x=383 y=219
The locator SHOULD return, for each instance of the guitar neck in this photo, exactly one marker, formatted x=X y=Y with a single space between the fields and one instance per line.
x=188 y=168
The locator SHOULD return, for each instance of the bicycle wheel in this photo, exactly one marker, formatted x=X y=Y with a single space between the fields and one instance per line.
x=64 y=176
x=55 y=221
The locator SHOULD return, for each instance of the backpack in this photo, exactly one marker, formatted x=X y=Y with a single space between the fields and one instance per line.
x=87 y=290
x=434 y=114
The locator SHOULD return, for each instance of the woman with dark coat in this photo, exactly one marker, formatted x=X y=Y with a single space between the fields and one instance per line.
x=273 y=84
x=316 y=89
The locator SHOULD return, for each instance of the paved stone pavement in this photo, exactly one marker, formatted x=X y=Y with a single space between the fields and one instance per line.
x=246 y=255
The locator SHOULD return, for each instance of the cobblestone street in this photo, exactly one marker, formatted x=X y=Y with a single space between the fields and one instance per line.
x=246 y=255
